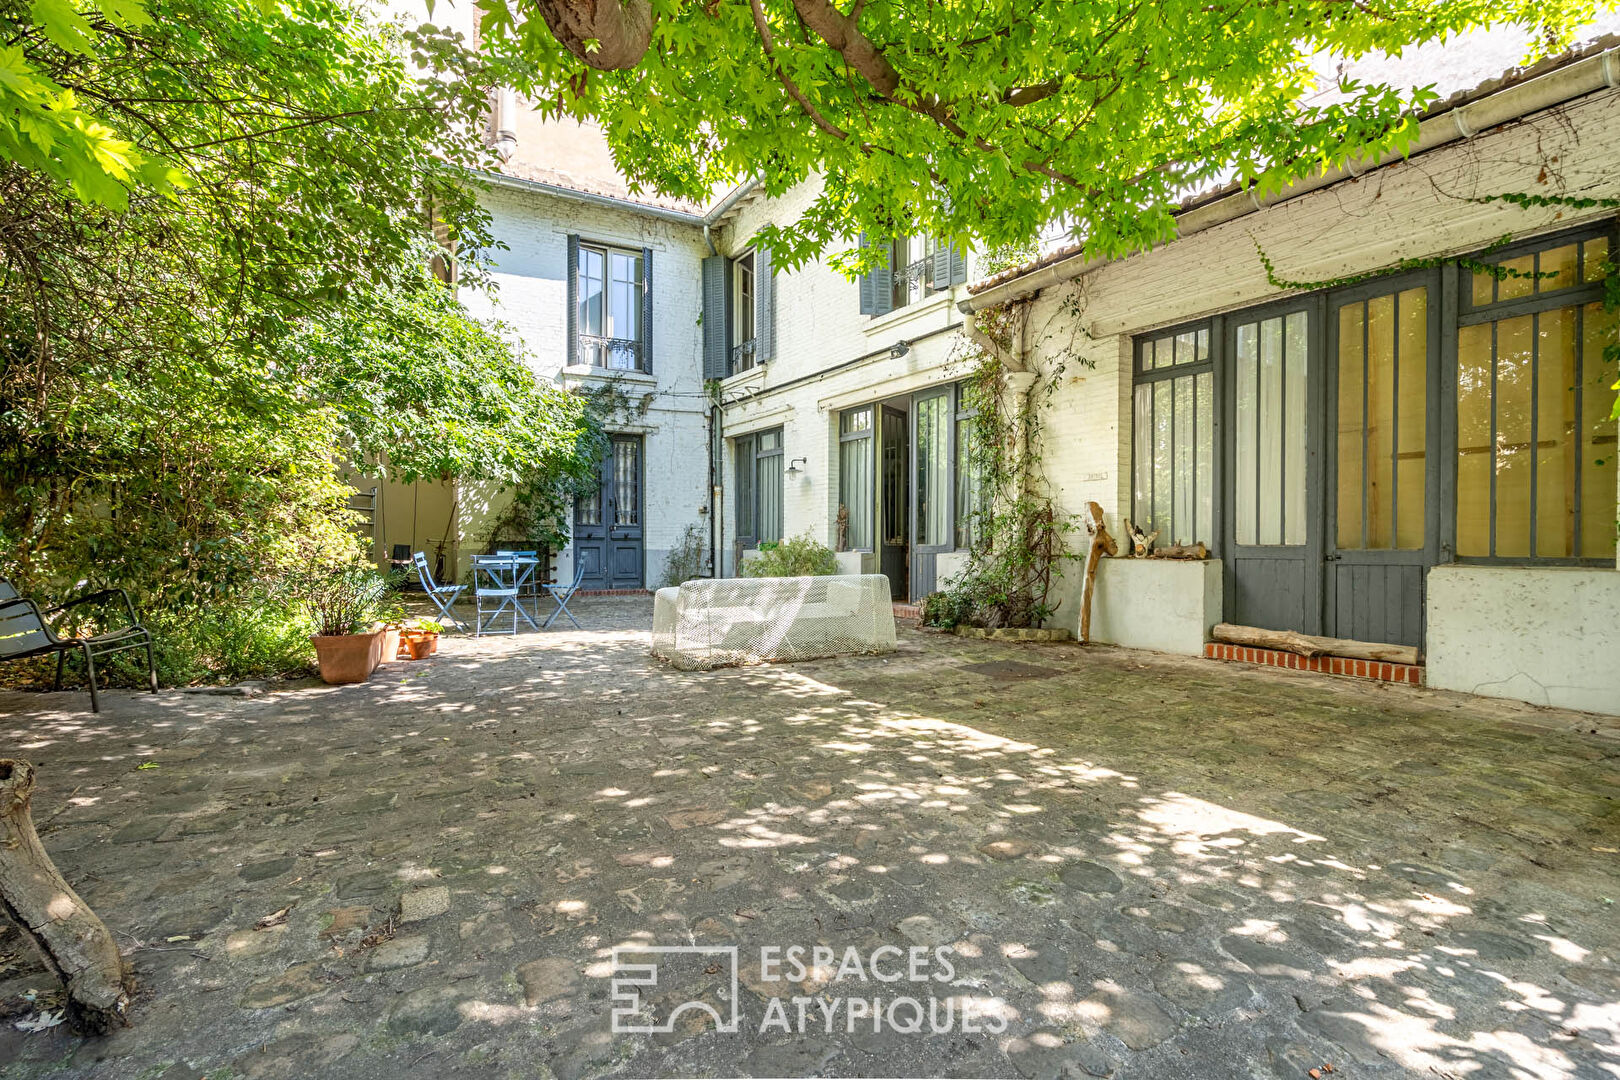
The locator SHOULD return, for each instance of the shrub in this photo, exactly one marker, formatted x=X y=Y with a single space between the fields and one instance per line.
x=689 y=558
x=798 y=556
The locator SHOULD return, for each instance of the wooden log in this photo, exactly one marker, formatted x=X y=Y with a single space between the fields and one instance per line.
x=1310 y=645
x=1182 y=551
x=74 y=943
x=1140 y=541
x=1101 y=543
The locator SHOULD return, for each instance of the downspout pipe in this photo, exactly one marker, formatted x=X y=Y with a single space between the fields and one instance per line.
x=1594 y=73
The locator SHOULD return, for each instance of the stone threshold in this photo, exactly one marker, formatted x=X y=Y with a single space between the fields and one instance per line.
x=1383 y=671
x=907 y=611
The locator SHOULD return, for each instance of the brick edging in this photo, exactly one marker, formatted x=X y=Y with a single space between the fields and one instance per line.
x=614 y=592
x=1409 y=674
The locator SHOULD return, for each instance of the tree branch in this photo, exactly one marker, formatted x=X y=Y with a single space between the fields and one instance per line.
x=608 y=35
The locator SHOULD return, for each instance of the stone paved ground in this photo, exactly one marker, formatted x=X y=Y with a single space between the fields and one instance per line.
x=1144 y=867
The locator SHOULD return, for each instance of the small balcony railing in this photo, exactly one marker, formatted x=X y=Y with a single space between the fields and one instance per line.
x=614 y=354
x=742 y=356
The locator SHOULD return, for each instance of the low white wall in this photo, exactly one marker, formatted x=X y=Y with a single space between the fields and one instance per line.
x=948 y=566
x=1167 y=605
x=850 y=562
x=1543 y=635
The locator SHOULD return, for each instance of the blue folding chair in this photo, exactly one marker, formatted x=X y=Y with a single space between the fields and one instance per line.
x=564 y=593
x=443 y=596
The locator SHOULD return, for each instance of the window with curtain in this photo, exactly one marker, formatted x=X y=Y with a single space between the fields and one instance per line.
x=856 y=496
x=611 y=286
x=933 y=454
x=1536 y=443
x=1173 y=449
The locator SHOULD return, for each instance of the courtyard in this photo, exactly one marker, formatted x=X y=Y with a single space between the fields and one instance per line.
x=1138 y=865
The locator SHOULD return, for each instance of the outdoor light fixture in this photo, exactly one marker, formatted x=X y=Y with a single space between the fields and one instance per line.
x=793 y=466
x=900 y=349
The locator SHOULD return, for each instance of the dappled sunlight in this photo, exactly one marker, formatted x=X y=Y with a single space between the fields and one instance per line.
x=1144 y=876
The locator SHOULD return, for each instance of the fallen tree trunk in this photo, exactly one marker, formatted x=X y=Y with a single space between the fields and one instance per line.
x=73 y=942
x=1310 y=645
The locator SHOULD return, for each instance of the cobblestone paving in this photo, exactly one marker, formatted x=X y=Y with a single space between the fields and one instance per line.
x=1143 y=867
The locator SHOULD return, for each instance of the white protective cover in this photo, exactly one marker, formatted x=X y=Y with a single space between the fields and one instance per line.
x=714 y=623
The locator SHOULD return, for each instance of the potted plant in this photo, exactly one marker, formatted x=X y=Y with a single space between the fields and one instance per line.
x=343 y=604
x=422 y=637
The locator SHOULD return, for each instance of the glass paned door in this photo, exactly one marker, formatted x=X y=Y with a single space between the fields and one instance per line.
x=1382 y=486
x=1272 y=551
x=933 y=489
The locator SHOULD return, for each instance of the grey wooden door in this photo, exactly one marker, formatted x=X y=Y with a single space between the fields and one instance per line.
x=1272 y=484
x=607 y=523
x=1383 y=453
x=933 y=485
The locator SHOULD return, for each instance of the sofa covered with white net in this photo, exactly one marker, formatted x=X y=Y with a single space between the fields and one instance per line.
x=718 y=622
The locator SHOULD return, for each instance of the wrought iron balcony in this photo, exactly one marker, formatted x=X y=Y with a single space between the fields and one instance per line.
x=742 y=356
x=614 y=354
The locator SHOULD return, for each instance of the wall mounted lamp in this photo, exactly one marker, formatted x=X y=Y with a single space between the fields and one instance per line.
x=793 y=466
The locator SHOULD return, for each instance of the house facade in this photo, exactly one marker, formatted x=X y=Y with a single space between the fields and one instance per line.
x=601 y=291
x=1399 y=433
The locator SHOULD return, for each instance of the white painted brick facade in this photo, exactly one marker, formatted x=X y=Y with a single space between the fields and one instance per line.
x=1417 y=209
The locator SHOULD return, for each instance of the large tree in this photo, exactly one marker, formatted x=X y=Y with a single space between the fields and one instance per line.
x=982 y=118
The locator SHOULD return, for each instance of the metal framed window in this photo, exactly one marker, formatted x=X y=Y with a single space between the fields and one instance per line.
x=1535 y=441
x=1173 y=444
x=972 y=493
x=611 y=285
x=857 y=457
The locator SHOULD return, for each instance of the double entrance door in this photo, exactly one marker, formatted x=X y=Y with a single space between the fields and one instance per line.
x=1330 y=447
x=608 y=522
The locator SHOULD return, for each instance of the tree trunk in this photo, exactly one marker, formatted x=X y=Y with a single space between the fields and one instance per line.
x=1309 y=645
x=1101 y=544
x=74 y=943
x=609 y=35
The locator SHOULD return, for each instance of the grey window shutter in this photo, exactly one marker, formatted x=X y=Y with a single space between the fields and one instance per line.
x=646 y=310
x=877 y=286
x=958 y=265
x=764 y=306
x=868 y=289
x=572 y=273
x=716 y=317
x=939 y=268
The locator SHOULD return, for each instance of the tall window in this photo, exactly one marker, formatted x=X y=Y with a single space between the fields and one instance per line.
x=972 y=493
x=856 y=496
x=759 y=486
x=1535 y=440
x=1174 y=428
x=1383 y=362
x=931 y=453
x=610 y=296
x=1269 y=361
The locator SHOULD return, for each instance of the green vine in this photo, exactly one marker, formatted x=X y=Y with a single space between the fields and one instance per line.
x=1019 y=536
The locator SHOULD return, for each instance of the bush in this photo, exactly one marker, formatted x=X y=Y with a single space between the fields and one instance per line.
x=799 y=556
x=689 y=558
x=942 y=609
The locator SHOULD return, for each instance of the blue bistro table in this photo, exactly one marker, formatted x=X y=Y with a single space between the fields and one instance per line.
x=502 y=581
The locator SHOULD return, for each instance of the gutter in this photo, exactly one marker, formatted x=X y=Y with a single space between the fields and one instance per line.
x=682 y=217
x=1587 y=76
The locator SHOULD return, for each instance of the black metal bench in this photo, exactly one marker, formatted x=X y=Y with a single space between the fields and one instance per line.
x=26 y=631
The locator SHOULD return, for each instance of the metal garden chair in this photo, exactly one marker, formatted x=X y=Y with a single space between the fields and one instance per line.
x=529 y=582
x=25 y=631
x=562 y=594
x=443 y=596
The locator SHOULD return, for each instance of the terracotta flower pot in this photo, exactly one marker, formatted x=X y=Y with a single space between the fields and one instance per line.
x=348 y=658
x=432 y=639
x=421 y=645
x=390 y=644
